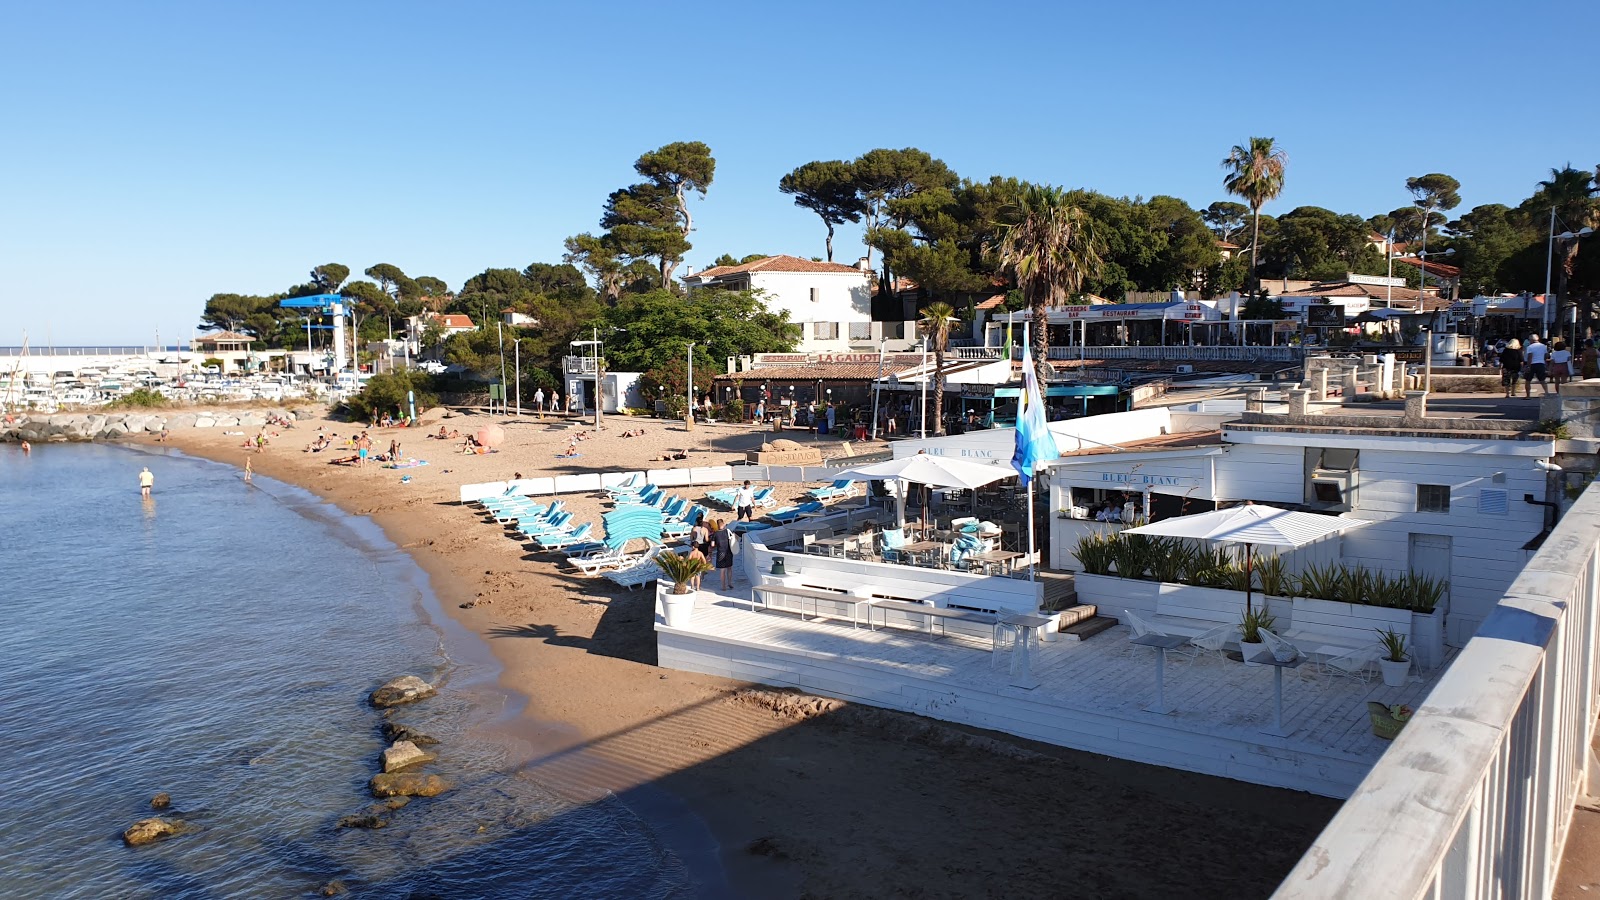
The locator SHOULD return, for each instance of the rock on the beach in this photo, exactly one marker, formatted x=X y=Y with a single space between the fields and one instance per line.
x=147 y=831
x=204 y=422
x=333 y=889
x=362 y=821
x=395 y=731
x=408 y=784
x=403 y=755
x=161 y=800
x=405 y=689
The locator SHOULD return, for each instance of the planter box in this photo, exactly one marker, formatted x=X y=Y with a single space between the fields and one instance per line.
x=676 y=609
x=1399 y=619
x=1282 y=609
x=1427 y=638
x=1113 y=594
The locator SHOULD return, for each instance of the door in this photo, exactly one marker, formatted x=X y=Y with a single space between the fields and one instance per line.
x=1429 y=554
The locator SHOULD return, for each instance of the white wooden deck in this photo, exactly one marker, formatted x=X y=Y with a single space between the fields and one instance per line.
x=1091 y=694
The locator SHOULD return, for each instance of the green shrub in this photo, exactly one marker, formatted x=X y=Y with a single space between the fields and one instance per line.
x=1170 y=559
x=1251 y=623
x=1272 y=576
x=1424 y=593
x=1096 y=553
x=733 y=411
x=387 y=393
x=1132 y=553
x=141 y=398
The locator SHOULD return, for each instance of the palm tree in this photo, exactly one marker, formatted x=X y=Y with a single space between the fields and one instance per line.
x=1571 y=193
x=1049 y=246
x=1255 y=175
x=936 y=319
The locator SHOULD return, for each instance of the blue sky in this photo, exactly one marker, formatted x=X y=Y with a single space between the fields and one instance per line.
x=154 y=154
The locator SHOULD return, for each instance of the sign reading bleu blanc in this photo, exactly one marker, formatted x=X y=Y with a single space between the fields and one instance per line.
x=1136 y=478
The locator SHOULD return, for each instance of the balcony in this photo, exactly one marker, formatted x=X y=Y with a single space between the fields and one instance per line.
x=1180 y=354
x=581 y=365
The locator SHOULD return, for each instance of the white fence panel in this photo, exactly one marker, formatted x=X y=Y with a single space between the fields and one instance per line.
x=668 y=477
x=568 y=484
x=710 y=474
x=612 y=479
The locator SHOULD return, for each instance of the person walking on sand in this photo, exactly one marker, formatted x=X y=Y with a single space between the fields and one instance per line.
x=247 y=470
x=722 y=550
x=744 y=502
x=363 y=447
x=147 y=480
x=538 y=402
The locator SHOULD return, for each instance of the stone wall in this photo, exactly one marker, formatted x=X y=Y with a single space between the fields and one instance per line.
x=63 y=427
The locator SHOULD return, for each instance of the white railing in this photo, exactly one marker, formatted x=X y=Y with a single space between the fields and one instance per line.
x=1476 y=795
x=974 y=352
x=1210 y=354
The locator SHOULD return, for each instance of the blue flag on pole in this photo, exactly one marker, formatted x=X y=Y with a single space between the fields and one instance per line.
x=1035 y=444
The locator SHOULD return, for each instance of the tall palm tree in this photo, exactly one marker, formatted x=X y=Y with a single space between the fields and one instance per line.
x=937 y=317
x=1049 y=246
x=1571 y=193
x=1255 y=175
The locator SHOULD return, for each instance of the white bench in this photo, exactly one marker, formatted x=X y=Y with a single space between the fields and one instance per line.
x=1322 y=628
x=1191 y=611
x=773 y=596
x=940 y=615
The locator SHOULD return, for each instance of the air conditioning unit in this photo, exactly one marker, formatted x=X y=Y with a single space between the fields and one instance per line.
x=1186 y=370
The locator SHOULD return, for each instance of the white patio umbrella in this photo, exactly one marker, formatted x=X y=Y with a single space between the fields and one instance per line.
x=933 y=471
x=1251 y=524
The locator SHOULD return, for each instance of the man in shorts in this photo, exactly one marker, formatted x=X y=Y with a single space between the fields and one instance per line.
x=744 y=502
x=1536 y=354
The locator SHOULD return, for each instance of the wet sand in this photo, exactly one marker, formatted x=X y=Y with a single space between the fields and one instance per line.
x=805 y=797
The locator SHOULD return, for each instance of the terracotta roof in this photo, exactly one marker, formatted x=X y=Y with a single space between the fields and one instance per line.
x=456 y=320
x=779 y=263
x=1227 y=245
x=1433 y=268
x=1347 y=289
x=993 y=302
x=225 y=337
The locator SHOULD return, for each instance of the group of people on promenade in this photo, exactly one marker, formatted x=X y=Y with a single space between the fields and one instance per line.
x=1541 y=362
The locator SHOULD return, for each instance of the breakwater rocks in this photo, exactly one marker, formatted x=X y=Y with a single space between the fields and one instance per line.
x=65 y=427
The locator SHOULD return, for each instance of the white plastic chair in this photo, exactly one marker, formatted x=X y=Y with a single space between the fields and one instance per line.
x=1282 y=650
x=1359 y=664
x=1212 y=641
x=1140 y=626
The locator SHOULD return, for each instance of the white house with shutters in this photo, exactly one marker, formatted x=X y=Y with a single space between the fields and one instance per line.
x=831 y=302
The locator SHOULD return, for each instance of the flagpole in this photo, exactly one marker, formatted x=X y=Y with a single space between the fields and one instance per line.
x=1027 y=342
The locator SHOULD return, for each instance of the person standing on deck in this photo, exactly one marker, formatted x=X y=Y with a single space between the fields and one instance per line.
x=147 y=480
x=722 y=547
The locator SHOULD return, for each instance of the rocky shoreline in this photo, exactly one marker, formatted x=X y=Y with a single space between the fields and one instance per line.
x=78 y=427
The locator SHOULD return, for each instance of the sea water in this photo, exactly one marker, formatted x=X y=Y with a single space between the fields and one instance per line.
x=216 y=642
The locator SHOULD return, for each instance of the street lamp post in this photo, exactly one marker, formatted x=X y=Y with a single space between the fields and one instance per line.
x=922 y=410
x=688 y=422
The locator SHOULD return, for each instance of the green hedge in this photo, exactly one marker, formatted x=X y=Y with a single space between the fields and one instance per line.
x=1178 y=561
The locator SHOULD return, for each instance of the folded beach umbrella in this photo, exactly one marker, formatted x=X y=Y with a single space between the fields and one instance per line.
x=491 y=436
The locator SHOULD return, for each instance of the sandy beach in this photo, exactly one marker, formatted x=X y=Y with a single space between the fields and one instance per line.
x=806 y=797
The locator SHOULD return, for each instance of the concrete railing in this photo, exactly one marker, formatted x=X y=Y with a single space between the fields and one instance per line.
x=1475 y=797
x=1182 y=354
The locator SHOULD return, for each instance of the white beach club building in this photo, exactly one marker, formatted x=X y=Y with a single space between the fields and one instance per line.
x=1450 y=504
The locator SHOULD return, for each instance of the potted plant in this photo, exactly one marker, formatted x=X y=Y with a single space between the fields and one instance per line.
x=678 y=604
x=1395 y=663
x=1250 y=626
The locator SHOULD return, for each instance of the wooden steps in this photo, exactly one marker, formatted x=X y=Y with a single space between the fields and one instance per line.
x=1088 y=628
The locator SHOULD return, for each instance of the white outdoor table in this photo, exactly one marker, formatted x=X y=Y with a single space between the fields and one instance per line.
x=1162 y=643
x=1267 y=659
x=1021 y=663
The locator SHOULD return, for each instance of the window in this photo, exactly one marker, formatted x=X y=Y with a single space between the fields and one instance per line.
x=816 y=294
x=1433 y=498
x=825 y=331
x=860 y=331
